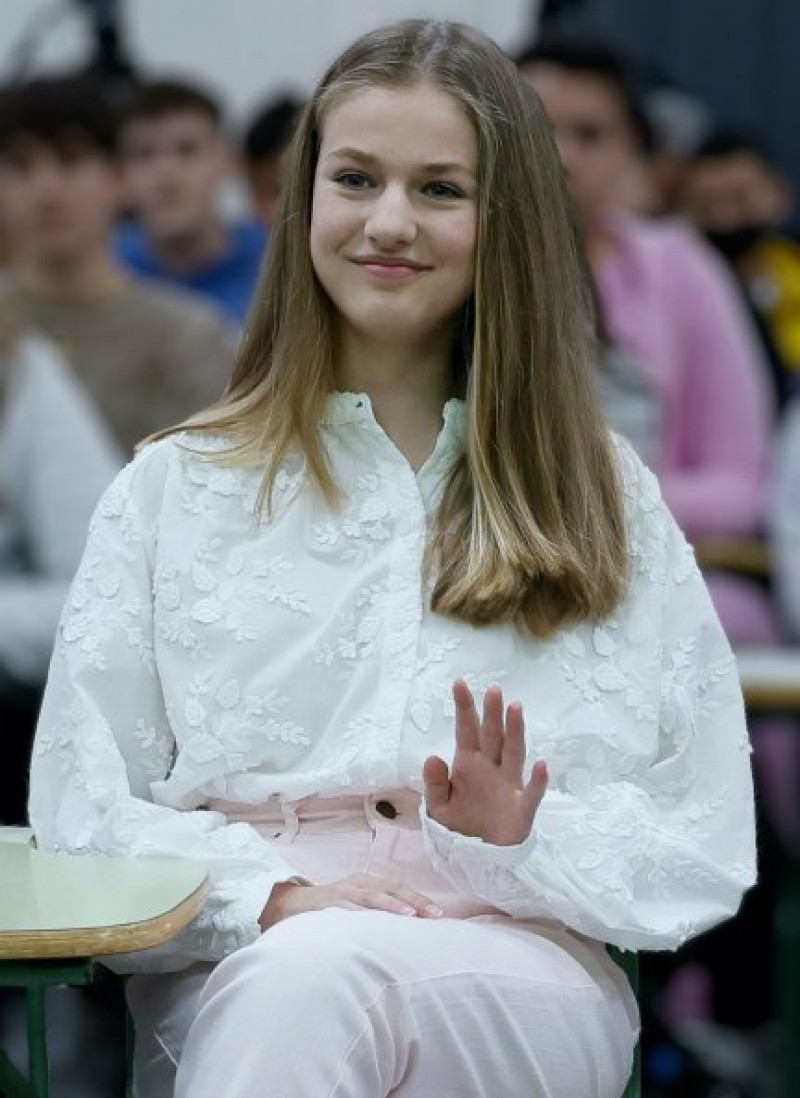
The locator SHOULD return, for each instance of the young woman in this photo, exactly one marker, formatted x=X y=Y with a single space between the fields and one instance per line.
x=305 y=632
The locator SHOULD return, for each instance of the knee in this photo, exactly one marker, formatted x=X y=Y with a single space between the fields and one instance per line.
x=319 y=958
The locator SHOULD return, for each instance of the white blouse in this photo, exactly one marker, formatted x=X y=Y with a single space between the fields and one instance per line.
x=206 y=654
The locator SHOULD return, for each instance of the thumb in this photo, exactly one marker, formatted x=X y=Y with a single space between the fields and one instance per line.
x=436 y=775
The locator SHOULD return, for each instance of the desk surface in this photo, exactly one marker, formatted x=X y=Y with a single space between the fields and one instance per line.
x=770 y=677
x=750 y=557
x=63 y=905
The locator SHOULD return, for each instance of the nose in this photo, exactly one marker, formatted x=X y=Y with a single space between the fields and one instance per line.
x=391 y=222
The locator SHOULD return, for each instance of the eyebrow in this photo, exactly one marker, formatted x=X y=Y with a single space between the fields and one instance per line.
x=439 y=168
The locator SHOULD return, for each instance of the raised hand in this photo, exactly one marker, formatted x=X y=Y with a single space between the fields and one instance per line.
x=484 y=794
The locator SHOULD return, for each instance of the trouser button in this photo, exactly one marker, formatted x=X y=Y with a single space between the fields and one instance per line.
x=386 y=809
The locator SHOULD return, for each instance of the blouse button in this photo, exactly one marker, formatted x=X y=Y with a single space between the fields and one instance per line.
x=386 y=809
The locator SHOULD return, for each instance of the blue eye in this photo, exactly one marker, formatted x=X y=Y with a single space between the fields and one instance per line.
x=353 y=181
x=443 y=190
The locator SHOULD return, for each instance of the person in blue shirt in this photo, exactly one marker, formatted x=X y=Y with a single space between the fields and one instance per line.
x=176 y=159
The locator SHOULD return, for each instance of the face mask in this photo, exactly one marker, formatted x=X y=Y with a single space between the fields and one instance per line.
x=735 y=243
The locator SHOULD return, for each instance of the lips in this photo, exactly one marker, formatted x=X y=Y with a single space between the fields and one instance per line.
x=389 y=263
x=390 y=268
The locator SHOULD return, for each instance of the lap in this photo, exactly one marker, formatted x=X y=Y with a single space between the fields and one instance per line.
x=534 y=990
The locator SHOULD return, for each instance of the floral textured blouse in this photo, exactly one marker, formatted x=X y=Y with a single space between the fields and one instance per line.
x=208 y=654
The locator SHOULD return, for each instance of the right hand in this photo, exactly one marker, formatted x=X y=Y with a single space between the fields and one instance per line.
x=360 y=891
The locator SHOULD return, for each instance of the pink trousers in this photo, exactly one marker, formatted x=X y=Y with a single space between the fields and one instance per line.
x=365 y=1004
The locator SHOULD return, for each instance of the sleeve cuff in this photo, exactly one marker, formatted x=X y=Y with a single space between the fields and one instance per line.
x=451 y=845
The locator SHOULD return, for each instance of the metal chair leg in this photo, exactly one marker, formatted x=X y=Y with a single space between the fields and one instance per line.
x=37 y=1041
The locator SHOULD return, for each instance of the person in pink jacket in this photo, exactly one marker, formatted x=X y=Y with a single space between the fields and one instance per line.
x=668 y=299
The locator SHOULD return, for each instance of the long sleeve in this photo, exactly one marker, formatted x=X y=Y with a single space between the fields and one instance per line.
x=646 y=858
x=104 y=734
x=785 y=520
x=719 y=485
x=57 y=460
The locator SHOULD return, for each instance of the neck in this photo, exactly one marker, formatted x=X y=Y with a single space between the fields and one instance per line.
x=198 y=248
x=408 y=388
x=85 y=279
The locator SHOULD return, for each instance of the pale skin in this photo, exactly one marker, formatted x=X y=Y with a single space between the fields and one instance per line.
x=383 y=200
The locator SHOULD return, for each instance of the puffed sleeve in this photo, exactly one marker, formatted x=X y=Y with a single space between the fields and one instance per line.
x=649 y=858
x=104 y=735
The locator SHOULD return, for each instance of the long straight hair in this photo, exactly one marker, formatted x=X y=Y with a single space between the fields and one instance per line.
x=531 y=526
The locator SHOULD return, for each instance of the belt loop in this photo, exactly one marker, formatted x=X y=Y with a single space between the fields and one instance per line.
x=289 y=809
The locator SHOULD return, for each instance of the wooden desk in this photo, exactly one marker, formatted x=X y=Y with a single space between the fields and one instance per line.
x=770 y=677
x=58 y=912
x=750 y=558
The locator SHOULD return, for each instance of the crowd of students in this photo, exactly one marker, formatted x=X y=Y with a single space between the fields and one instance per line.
x=126 y=285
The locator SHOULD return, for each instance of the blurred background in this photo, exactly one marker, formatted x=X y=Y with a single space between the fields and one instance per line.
x=142 y=147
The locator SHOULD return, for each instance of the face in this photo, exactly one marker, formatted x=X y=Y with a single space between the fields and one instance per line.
x=595 y=139
x=174 y=167
x=393 y=223
x=734 y=192
x=59 y=204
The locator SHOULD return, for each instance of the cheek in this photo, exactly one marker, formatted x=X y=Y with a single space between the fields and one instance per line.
x=332 y=225
x=458 y=244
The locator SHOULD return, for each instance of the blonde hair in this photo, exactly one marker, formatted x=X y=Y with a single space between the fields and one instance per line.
x=531 y=527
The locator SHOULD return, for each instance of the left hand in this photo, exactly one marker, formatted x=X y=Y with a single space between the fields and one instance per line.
x=484 y=794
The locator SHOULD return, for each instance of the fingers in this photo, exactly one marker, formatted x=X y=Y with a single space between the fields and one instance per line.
x=380 y=894
x=513 y=759
x=467 y=721
x=491 y=734
x=537 y=786
x=436 y=776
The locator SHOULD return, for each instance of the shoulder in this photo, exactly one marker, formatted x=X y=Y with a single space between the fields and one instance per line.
x=671 y=247
x=640 y=487
x=183 y=461
x=167 y=306
x=657 y=548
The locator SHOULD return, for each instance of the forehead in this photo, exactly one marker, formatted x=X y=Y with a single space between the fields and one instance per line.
x=179 y=124
x=69 y=144
x=566 y=94
x=419 y=124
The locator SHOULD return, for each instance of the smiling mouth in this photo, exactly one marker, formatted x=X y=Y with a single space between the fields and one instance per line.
x=390 y=268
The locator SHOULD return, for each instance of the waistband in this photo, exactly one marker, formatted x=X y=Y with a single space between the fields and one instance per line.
x=328 y=815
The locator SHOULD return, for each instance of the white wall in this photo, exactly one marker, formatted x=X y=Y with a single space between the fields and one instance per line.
x=247 y=49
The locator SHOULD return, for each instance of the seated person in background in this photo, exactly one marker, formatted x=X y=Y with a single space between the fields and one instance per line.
x=176 y=159
x=734 y=194
x=667 y=299
x=56 y=459
x=264 y=148
x=147 y=355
